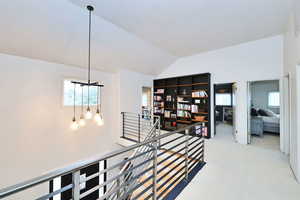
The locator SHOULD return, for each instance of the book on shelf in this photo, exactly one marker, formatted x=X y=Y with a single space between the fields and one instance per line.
x=200 y=93
x=183 y=106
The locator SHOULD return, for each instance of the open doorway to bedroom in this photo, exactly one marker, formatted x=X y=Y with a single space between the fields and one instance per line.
x=264 y=114
x=224 y=110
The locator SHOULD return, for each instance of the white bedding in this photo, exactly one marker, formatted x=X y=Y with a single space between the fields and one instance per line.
x=275 y=120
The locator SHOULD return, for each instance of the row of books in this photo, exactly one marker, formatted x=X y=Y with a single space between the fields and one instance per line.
x=183 y=106
x=157 y=98
x=158 y=104
x=183 y=113
x=200 y=93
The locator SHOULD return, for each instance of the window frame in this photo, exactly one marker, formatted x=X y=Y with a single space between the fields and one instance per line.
x=63 y=92
x=230 y=94
x=273 y=106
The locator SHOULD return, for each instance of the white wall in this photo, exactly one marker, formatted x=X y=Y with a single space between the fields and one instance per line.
x=129 y=89
x=257 y=60
x=291 y=59
x=35 y=134
x=260 y=94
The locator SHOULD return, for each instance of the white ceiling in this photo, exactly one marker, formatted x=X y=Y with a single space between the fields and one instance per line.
x=140 y=35
x=57 y=31
x=186 y=27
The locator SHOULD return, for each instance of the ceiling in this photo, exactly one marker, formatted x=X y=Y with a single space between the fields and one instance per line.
x=57 y=31
x=140 y=35
x=187 y=27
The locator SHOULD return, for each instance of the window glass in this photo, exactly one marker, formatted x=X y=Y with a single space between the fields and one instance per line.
x=69 y=94
x=274 y=99
x=223 y=99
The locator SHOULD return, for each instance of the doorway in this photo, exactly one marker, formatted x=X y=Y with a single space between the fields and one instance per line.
x=146 y=101
x=224 y=110
x=264 y=114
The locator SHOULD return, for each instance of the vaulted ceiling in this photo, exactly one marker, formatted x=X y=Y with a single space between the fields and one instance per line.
x=140 y=35
x=57 y=31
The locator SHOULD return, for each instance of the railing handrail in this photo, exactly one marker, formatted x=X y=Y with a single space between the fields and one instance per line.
x=82 y=164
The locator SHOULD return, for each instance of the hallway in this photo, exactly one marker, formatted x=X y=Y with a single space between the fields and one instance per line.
x=239 y=172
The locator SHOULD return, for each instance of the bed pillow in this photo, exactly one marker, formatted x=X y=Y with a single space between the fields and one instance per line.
x=254 y=112
x=263 y=113
x=270 y=113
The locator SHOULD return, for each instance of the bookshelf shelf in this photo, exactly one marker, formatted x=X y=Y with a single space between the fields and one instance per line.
x=182 y=95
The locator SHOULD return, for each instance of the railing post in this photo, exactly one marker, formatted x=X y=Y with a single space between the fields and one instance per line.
x=159 y=131
x=186 y=155
x=76 y=185
x=154 y=188
x=123 y=124
x=118 y=185
x=139 y=128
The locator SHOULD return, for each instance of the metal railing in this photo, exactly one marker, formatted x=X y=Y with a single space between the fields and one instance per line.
x=157 y=164
x=135 y=127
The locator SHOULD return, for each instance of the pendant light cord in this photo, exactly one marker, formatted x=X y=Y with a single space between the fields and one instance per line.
x=89 y=54
x=74 y=100
x=81 y=99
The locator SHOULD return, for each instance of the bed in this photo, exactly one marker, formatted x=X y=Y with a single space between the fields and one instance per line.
x=264 y=120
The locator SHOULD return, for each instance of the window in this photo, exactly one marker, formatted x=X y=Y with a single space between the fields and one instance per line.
x=223 y=99
x=69 y=94
x=274 y=99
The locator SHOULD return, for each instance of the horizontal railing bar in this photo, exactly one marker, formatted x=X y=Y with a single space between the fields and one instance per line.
x=142 y=173
x=128 y=132
x=61 y=190
x=181 y=136
x=195 y=146
x=173 y=168
x=124 y=173
x=112 y=192
x=195 y=157
x=131 y=129
x=170 y=156
x=133 y=178
x=192 y=165
x=82 y=164
x=124 y=161
x=173 y=147
x=179 y=157
x=143 y=192
x=170 y=185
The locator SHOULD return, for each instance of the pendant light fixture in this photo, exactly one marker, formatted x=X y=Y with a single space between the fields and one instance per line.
x=88 y=115
x=74 y=125
x=82 y=120
x=98 y=116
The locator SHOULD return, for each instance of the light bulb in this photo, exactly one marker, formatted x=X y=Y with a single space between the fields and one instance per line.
x=97 y=117
x=82 y=121
x=100 y=122
x=74 y=125
x=88 y=114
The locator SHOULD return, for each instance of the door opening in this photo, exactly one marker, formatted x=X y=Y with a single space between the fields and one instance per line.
x=224 y=110
x=264 y=114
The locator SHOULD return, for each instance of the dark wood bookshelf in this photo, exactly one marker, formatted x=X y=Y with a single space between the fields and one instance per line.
x=192 y=91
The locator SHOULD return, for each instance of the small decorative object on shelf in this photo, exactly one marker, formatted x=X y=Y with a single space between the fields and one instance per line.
x=159 y=91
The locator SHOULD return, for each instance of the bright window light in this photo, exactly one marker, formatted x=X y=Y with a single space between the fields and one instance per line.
x=69 y=94
x=223 y=99
x=274 y=99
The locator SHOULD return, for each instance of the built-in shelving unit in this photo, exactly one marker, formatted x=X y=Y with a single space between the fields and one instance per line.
x=184 y=100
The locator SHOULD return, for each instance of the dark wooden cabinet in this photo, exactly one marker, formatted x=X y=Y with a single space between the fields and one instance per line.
x=182 y=101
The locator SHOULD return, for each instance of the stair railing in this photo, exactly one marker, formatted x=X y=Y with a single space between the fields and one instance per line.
x=136 y=127
x=171 y=157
